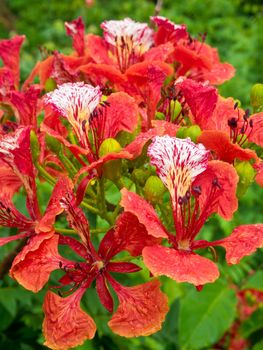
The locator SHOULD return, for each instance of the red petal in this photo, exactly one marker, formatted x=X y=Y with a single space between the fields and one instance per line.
x=66 y=325
x=103 y=293
x=62 y=187
x=101 y=73
x=33 y=265
x=200 y=97
x=219 y=73
x=145 y=213
x=259 y=176
x=96 y=49
x=227 y=178
x=122 y=114
x=76 y=30
x=220 y=143
x=10 y=53
x=244 y=240
x=128 y=235
x=122 y=267
x=5 y=240
x=9 y=182
x=257 y=130
x=26 y=105
x=161 y=52
x=141 y=311
x=182 y=266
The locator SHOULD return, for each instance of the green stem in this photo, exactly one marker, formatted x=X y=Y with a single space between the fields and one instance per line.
x=64 y=230
x=45 y=174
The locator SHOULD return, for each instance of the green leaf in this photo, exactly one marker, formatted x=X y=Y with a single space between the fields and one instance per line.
x=205 y=316
x=253 y=324
x=255 y=281
x=8 y=301
x=258 y=346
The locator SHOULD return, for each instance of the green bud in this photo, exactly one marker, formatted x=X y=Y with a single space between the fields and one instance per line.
x=140 y=176
x=50 y=84
x=53 y=144
x=154 y=189
x=124 y=138
x=192 y=131
x=159 y=116
x=112 y=168
x=181 y=132
x=246 y=175
x=176 y=109
x=34 y=145
x=256 y=98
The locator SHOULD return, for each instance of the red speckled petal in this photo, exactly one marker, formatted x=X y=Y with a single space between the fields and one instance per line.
x=182 y=266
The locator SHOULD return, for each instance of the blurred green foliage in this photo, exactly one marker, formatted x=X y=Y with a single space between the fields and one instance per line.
x=196 y=320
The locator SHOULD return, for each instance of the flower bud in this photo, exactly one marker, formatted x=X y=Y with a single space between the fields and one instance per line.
x=176 y=109
x=50 y=84
x=124 y=138
x=246 y=175
x=34 y=145
x=140 y=176
x=192 y=131
x=256 y=98
x=111 y=169
x=154 y=189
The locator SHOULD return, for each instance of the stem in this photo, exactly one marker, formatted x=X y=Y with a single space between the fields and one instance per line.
x=64 y=230
x=45 y=174
x=158 y=7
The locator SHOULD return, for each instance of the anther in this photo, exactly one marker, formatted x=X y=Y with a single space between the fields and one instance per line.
x=232 y=123
x=197 y=190
x=216 y=183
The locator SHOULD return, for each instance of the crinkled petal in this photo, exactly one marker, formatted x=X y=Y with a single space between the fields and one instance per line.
x=141 y=311
x=225 y=179
x=76 y=30
x=10 y=53
x=122 y=114
x=200 y=97
x=62 y=187
x=129 y=234
x=182 y=266
x=145 y=213
x=243 y=241
x=66 y=325
x=168 y=31
x=256 y=134
x=220 y=143
x=33 y=265
x=219 y=73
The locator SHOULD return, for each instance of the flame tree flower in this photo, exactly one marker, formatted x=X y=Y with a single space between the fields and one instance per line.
x=198 y=188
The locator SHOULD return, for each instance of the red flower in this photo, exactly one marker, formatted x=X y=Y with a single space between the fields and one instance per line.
x=130 y=319
x=197 y=188
x=76 y=30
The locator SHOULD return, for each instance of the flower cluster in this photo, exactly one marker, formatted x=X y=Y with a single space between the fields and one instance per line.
x=137 y=108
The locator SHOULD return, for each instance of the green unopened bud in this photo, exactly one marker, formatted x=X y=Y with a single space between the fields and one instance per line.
x=125 y=137
x=154 y=189
x=181 y=132
x=50 y=84
x=246 y=175
x=176 y=109
x=193 y=132
x=34 y=145
x=53 y=144
x=256 y=98
x=112 y=168
x=140 y=176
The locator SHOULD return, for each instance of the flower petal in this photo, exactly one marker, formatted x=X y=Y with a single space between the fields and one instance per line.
x=222 y=178
x=129 y=234
x=66 y=325
x=61 y=188
x=122 y=114
x=145 y=213
x=182 y=266
x=141 y=311
x=244 y=240
x=257 y=130
x=76 y=30
x=33 y=265
x=219 y=142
